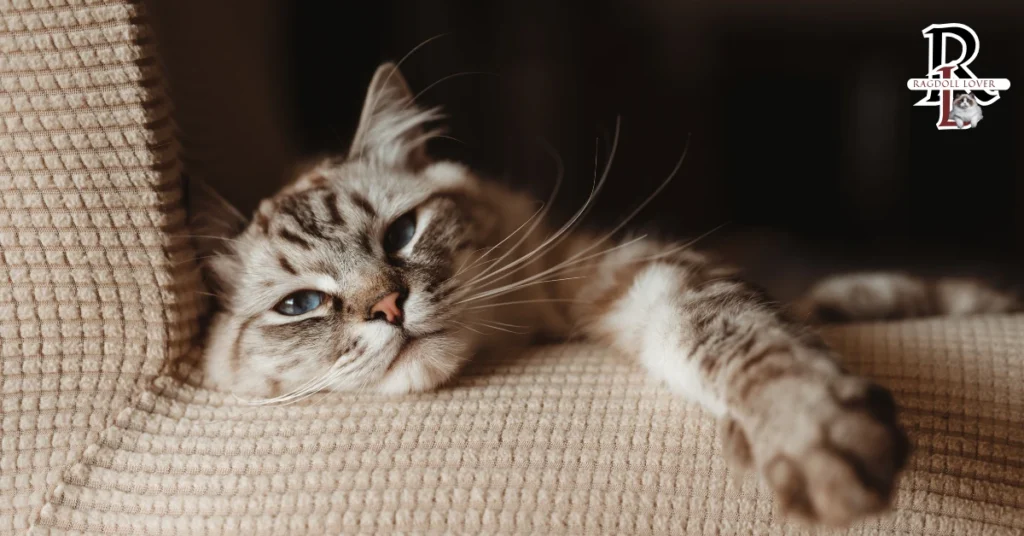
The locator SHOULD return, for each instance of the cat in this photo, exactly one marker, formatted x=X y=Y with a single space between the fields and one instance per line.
x=385 y=270
x=966 y=111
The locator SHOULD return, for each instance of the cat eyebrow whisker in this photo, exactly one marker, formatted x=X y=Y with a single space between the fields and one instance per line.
x=442 y=79
x=398 y=65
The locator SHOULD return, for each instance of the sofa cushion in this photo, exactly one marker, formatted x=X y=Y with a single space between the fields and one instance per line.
x=92 y=252
x=567 y=439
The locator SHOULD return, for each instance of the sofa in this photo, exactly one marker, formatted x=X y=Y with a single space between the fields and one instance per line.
x=105 y=427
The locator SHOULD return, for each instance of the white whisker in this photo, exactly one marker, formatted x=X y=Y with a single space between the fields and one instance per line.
x=542 y=213
x=519 y=302
x=449 y=77
x=498 y=328
x=569 y=263
x=506 y=324
x=398 y=65
x=576 y=258
x=512 y=288
x=557 y=237
x=466 y=326
x=496 y=246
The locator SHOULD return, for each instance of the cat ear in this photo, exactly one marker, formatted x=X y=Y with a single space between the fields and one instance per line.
x=391 y=128
x=213 y=222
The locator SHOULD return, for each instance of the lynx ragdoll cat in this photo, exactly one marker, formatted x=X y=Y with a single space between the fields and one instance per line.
x=966 y=111
x=385 y=270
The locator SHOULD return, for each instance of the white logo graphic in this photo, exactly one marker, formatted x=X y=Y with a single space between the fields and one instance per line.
x=947 y=75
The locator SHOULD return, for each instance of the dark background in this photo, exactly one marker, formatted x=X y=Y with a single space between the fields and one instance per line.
x=825 y=165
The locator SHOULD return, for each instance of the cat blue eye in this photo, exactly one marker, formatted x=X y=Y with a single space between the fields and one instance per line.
x=299 y=303
x=400 y=233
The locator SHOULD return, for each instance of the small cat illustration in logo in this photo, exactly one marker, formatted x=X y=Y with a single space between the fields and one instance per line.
x=965 y=110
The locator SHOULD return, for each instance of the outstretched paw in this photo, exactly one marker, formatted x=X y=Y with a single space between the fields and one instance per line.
x=830 y=449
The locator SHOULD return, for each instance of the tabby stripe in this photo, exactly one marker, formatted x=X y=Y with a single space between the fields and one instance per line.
x=293 y=330
x=769 y=372
x=287 y=266
x=300 y=210
x=331 y=202
x=294 y=238
x=364 y=204
x=754 y=359
x=236 y=349
x=364 y=242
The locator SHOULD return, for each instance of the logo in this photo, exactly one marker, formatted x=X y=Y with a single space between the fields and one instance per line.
x=951 y=84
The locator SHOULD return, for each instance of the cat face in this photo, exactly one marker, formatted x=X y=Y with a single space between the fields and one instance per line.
x=344 y=279
x=966 y=101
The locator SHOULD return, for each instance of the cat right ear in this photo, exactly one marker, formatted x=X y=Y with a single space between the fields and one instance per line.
x=392 y=128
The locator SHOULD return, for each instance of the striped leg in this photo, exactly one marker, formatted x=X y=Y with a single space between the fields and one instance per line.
x=827 y=442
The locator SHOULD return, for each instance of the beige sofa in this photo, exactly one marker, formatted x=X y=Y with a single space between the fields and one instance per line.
x=103 y=431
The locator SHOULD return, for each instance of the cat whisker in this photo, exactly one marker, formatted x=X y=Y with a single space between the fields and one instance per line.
x=543 y=211
x=681 y=247
x=303 y=391
x=210 y=237
x=559 y=176
x=449 y=77
x=520 y=302
x=571 y=263
x=193 y=259
x=220 y=199
x=506 y=324
x=398 y=65
x=625 y=221
x=564 y=231
x=498 y=245
x=466 y=326
x=499 y=328
x=512 y=288
x=445 y=137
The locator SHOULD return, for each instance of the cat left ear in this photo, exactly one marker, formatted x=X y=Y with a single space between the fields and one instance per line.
x=213 y=222
x=391 y=128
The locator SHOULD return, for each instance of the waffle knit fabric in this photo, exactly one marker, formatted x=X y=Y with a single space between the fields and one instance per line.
x=104 y=430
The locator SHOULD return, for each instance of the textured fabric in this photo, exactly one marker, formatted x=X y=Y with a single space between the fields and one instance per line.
x=565 y=439
x=90 y=236
x=97 y=295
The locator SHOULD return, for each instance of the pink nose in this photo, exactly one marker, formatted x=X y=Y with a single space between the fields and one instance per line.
x=387 y=308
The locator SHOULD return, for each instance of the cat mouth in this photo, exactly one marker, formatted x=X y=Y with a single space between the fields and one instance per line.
x=409 y=344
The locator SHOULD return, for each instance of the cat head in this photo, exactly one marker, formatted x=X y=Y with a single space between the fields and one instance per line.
x=966 y=100
x=344 y=279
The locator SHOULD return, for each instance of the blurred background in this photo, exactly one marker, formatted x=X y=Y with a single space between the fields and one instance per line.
x=825 y=166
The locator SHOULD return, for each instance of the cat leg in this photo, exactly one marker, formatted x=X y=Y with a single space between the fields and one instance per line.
x=827 y=442
x=890 y=296
x=959 y=122
x=975 y=121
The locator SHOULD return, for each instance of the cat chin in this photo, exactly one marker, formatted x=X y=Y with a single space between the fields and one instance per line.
x=424 y=364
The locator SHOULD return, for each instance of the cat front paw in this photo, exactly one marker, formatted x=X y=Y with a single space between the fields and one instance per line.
x=830 y=450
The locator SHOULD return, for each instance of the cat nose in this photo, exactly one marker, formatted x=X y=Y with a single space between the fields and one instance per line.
x=388 y=308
